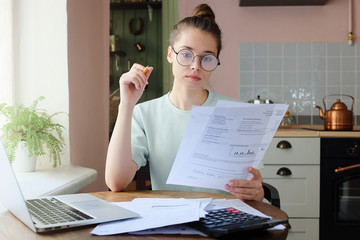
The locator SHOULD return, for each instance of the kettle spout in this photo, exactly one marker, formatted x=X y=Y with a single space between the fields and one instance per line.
x=321 y=113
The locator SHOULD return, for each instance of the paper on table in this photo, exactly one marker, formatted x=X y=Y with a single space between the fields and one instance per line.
x=214 y=204
x=173 y=229
x=235 y=203
x=173 y=202
x=220 y=143
x=155 y=212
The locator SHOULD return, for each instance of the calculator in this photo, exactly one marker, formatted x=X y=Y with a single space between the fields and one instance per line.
x=231 y=220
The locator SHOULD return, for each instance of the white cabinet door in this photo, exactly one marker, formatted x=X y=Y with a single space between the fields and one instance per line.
x=299 y=192
x=302 y=151
x=303 y=229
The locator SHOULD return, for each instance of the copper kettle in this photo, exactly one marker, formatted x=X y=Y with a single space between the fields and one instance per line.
x=338 y=117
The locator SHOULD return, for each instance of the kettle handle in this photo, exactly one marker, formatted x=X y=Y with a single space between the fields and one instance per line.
x=352 y=106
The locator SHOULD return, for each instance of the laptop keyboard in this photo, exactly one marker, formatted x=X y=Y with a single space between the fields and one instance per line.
x=52 y=211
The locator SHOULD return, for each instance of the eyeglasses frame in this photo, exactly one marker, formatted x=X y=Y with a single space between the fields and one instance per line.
x=194 y=56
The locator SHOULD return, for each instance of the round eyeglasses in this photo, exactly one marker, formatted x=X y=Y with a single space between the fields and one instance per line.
x=185 y=57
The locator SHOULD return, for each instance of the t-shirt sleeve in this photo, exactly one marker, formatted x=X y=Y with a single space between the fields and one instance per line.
x=139 y=147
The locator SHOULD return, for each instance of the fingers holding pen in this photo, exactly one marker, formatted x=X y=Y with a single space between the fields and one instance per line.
x=144 y=75
x=138 y=76
x=147 y=71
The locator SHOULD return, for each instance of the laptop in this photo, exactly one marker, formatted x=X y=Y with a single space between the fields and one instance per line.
x=77 y=209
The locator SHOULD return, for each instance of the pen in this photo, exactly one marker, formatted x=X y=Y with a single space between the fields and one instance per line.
x=145 y=69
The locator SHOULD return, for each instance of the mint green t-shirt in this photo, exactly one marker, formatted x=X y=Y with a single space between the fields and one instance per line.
x=157 y=129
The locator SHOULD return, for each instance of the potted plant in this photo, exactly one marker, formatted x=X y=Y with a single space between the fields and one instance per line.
x=33 y=129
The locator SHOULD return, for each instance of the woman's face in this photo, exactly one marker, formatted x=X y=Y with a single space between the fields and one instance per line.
x=200 y=43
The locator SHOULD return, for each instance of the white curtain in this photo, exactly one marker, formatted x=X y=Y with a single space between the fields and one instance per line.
x=6 y=52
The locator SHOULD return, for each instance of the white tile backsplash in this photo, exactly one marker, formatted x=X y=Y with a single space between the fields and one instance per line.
x=300 y=74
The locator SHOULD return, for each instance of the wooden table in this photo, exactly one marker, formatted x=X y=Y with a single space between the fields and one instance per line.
x=12 y=228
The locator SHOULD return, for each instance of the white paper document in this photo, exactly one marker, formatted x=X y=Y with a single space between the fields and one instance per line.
x=167 y=215
x=154 y=213
x=221 y=142
x=173 y=229
x=214 y=204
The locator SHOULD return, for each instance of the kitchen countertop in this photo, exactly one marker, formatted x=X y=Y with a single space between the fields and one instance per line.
x=314 y=131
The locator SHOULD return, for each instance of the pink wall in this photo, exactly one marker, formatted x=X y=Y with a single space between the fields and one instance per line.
x=88 y=56
x=328 y=23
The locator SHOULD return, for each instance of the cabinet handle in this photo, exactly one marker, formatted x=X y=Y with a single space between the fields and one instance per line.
x=284 y=144
x=284 y=171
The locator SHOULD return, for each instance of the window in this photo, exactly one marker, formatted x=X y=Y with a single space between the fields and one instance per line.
x=6 y=51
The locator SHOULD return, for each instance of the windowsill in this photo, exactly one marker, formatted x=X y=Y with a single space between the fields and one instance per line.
x=55 y=181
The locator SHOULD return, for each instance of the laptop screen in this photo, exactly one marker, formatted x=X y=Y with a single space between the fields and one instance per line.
x=10 y=192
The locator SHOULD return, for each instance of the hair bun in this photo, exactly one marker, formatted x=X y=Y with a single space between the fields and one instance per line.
x=204 y=11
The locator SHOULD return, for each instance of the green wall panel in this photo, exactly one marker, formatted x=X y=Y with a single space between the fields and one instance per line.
x=154 y=37
x=150 y=38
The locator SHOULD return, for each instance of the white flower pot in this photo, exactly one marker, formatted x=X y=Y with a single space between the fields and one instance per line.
x=22 y=161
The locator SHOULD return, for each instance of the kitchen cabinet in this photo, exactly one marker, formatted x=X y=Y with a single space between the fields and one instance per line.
x=292 y=165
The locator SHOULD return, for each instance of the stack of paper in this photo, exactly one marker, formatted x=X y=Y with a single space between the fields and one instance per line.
x=156 y=213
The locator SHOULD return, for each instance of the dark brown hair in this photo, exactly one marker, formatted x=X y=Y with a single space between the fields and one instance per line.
x=203 y=18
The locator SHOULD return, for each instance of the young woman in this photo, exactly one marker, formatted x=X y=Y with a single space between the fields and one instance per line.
x=152 y=131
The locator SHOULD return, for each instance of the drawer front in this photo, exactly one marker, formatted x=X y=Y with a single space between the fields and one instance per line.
x=303 y=229
x=300 y=151
x=299 y=192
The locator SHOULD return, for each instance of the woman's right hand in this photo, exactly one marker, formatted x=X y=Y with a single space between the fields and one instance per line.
x=133 y=83
x=120 y=168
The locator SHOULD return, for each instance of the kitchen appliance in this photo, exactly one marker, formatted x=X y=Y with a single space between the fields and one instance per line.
x=260 y=101
x=339 y=188
x=338 y=117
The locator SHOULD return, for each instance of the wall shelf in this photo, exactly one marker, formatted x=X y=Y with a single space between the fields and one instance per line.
x=55 y=181
x=118 y=53
x=244 y=3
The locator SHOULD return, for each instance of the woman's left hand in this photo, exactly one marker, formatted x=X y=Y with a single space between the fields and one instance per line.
x=247 y=189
